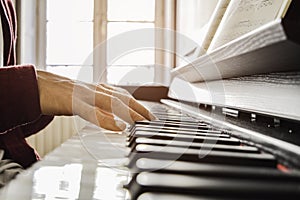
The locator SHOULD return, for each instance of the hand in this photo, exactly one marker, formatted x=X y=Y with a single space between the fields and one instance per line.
x=99 y=104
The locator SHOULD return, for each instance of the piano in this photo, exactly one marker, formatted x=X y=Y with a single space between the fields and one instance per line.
x=197 y=149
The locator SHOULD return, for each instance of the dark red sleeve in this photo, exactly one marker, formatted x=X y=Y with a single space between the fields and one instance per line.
x=19 y=97
x=9 y=28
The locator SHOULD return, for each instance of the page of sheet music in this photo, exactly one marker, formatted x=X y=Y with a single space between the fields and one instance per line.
x=243 y=16
x=191 y=25
x=214 y=22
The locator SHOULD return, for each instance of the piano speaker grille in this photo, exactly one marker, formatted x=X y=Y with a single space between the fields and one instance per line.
x=57 y=132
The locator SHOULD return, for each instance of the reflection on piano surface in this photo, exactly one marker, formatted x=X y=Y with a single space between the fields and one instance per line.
x=178 y=156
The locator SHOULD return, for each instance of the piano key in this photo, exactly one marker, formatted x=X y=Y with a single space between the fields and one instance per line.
x=176 y=118
x=181 y=121
x=212 y=186
x=165 y=110
x=160 y=127
x=191 y=145
x=168 y=196
x=203 y=156
x=175 y=124
x=165 y=124
x=179 y=131
x=168 y=112
x=170 y=125
x=215 y=170
x=181 y=137
x=178 y=115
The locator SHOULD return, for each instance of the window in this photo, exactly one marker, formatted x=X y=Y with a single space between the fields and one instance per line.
x=135 y=65
x=69 y=38
x=63 y=36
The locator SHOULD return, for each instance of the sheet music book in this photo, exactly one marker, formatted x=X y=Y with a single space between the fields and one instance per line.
x=234 y=18
x=251 y=51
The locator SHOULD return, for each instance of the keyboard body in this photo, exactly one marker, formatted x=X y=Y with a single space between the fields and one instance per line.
x=180 y=156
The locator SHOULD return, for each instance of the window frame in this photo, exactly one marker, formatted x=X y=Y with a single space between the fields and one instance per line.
x=35 y=42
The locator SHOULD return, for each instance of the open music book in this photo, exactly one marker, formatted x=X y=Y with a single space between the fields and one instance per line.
x=234 y=18
x=250 y=37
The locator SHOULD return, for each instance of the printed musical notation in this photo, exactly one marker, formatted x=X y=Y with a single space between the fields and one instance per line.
x=249 y=23
x=243 y=16
x=254 y=5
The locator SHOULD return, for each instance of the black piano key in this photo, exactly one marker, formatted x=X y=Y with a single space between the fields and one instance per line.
x=216 y=170
x=169 y=112
x=170 y=125
x=164 y=110
x=160 y=127
x=186 y=132
x=212 y=186
x=175 y=115
x=192 y=145
x=182 y=122
x=176 y=124
x=179 y=115
x=177 y=119
x=182 y=137
x=201 y=156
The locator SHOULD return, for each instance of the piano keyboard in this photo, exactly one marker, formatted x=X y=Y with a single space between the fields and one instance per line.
x=176 y=157
x=182 y=158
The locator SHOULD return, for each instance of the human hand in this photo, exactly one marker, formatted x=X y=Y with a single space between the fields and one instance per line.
x=98 y=104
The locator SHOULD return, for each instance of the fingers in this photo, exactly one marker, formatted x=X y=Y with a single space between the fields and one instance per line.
x=136 y=106
x=97 y=116
x=127 y=100
x=118 y=108
x=141 y=109
x=107 y=103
